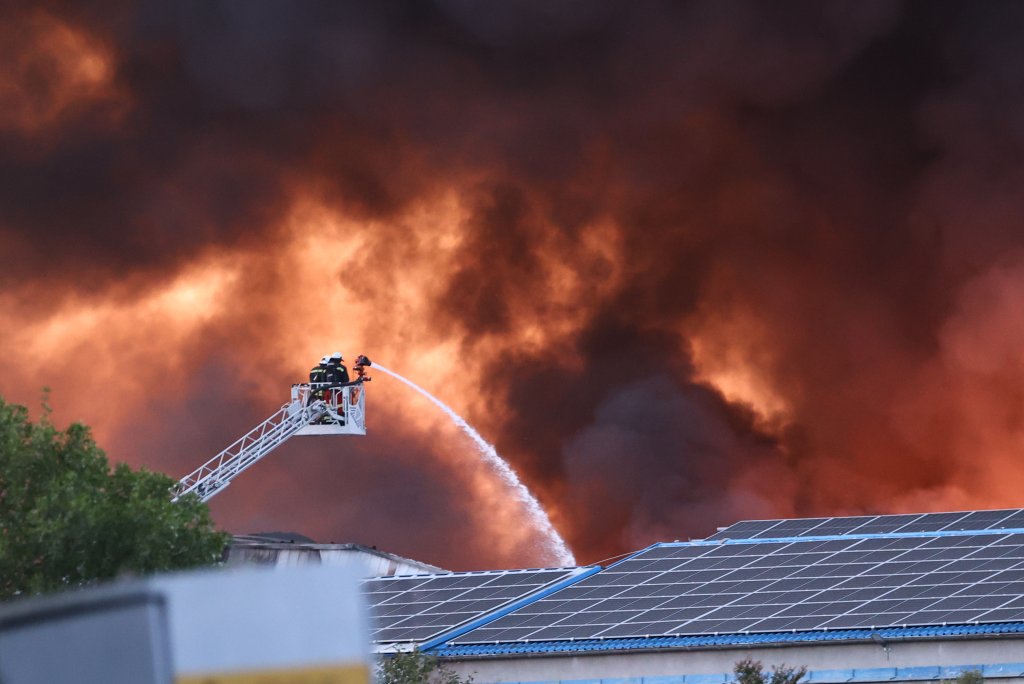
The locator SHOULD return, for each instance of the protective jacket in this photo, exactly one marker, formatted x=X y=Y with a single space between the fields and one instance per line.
x=317 y=375
x=336 y=374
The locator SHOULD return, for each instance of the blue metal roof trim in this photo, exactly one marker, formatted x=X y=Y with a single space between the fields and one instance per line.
x=585 y=645
x=515 y=605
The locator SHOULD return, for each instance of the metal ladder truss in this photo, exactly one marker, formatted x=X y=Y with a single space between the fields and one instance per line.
x=217 y=473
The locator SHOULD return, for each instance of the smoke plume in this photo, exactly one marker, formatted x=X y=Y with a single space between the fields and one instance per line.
x=682 y=262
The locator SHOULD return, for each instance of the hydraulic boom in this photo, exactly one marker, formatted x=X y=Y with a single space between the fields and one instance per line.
x=334 y=411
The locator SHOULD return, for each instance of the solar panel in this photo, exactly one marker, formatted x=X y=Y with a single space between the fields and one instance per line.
x=786 y=584
x=416 y=608
x=876 y=524
x=1014 y=520
x=745 y=529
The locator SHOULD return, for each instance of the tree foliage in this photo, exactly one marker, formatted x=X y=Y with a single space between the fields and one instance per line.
x=750 y=671
x=67 y=518
x=967 y=677
x=416 y=667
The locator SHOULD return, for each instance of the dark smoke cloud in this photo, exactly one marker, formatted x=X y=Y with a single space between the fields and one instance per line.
x=714 y=259
x=657 y=459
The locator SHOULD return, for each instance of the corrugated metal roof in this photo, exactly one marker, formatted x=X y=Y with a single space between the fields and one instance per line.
x=589 y=645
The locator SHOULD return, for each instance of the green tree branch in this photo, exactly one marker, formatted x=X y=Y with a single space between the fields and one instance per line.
x=67 y=518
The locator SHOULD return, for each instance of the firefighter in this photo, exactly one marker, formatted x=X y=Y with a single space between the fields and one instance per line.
x=334 y=376
x=318 y=378
x=338 y=374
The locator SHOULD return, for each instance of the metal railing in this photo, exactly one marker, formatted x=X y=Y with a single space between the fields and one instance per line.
x=217 y=473
x=340 y=407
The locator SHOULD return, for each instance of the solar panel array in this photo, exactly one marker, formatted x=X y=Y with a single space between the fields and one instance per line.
x=874 y=524
x=415 y=608
x=770 y=586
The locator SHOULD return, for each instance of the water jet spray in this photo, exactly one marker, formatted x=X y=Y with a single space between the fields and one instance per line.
x=538 y=517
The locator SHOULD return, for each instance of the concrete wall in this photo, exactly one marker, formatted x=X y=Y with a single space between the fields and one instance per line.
x=999 y=658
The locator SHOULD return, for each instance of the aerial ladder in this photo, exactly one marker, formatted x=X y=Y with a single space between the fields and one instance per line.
x=311 y=410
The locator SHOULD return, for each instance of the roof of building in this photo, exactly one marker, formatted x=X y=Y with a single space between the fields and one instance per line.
x=271 y=549
x=944 y=575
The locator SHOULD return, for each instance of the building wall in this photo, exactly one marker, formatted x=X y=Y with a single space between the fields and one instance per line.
x=999 y=658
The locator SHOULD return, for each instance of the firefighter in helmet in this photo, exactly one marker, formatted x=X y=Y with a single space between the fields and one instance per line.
x=337 y=374
x=318 y=378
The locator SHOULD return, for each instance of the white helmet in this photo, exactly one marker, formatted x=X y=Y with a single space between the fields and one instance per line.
x=337 y=356
x=326 y=359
